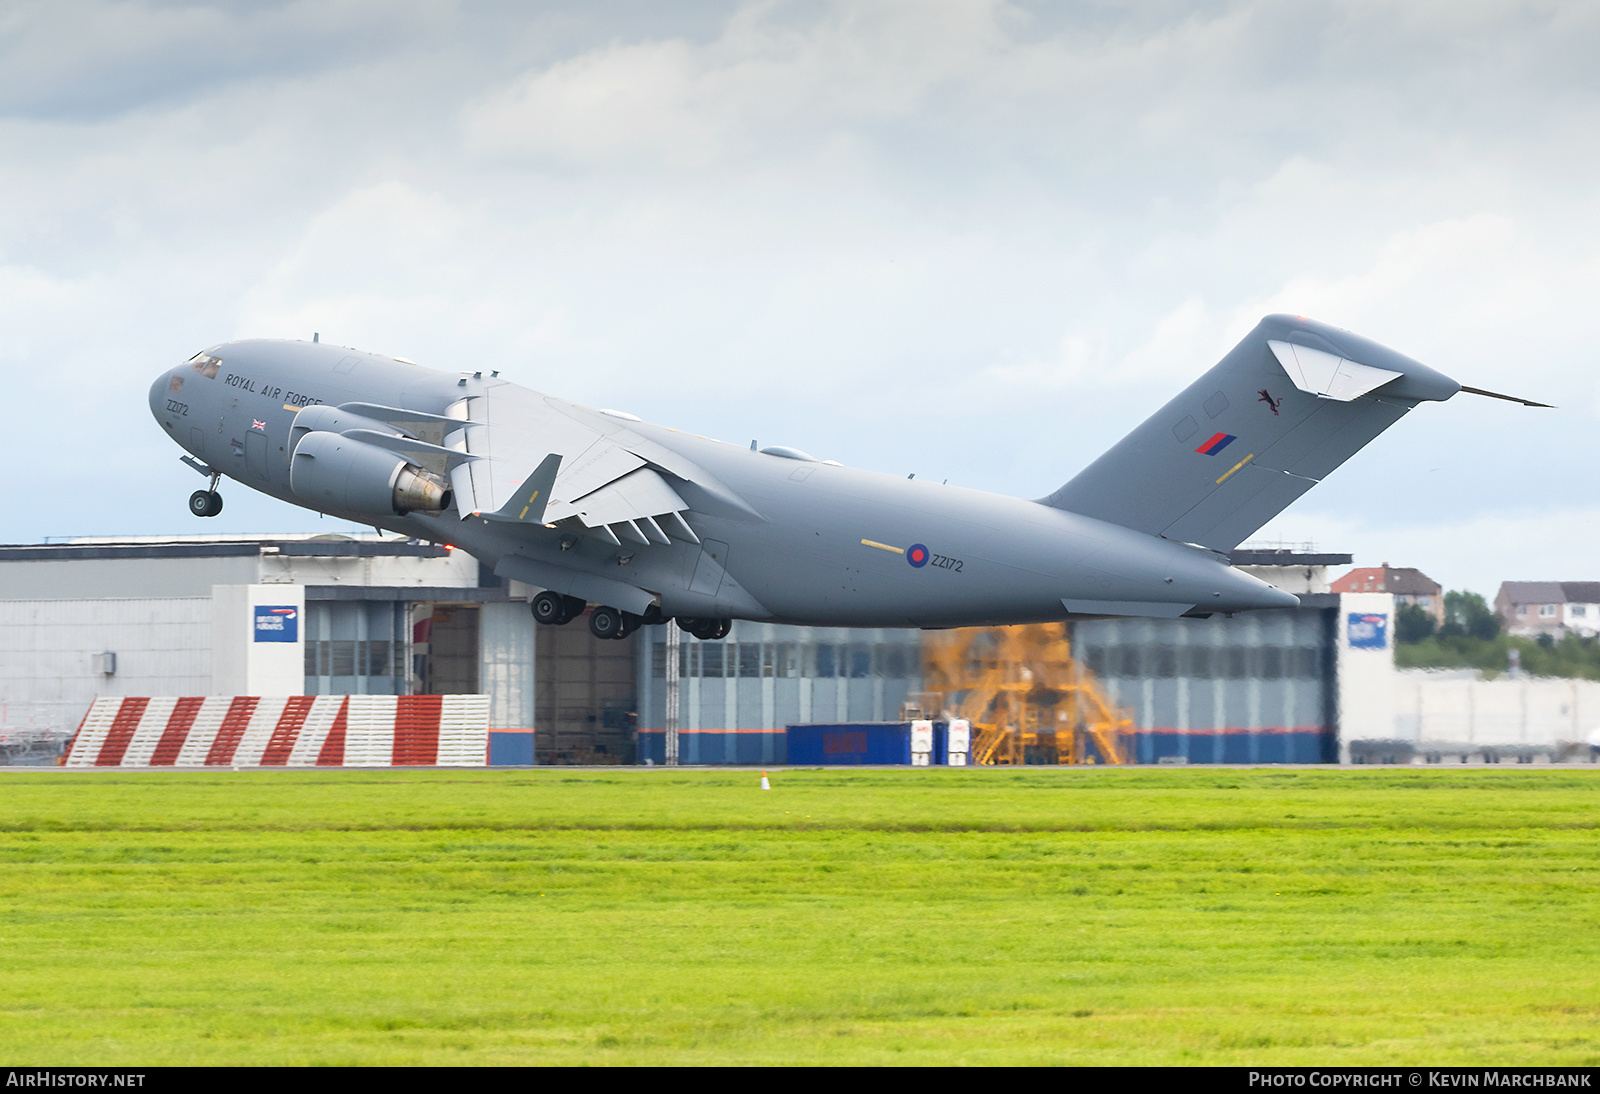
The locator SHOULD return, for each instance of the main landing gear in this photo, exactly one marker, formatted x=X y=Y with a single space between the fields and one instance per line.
x=708 y=630
x=555 y=609
x=607 y=622
x=206 y=503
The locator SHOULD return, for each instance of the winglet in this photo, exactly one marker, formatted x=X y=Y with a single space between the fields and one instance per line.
x=527 y=505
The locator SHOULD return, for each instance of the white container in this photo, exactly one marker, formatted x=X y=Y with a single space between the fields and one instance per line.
x=960 y=736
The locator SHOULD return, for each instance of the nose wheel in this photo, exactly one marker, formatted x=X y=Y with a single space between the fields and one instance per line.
x=206 y=503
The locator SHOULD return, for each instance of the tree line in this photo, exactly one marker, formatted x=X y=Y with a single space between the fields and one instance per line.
x=1473 y=636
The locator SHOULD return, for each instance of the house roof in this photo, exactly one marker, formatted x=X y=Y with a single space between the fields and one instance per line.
x=1408 y=582
x=1581 y=592
x=1551 y=592
x=1400 y=580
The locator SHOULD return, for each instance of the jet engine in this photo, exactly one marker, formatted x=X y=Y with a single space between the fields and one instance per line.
x=334 y=472
x=319 y=417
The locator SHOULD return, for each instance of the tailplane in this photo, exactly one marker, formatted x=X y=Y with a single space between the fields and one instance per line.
x=1286 y=406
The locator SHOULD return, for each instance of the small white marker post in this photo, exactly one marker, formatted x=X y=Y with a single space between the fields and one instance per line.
x=670 y=674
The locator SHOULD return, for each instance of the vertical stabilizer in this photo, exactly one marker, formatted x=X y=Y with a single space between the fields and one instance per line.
x=1286 y=406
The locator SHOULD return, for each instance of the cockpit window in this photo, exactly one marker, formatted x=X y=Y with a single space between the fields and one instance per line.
x=206 y=365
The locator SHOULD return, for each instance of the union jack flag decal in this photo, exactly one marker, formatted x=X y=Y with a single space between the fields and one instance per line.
x=258 y=425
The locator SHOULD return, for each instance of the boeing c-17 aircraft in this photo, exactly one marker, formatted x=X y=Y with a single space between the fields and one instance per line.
x=651 y=524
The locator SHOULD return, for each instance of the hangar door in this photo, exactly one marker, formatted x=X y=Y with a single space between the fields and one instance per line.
x=584 y=705
x=447 y=648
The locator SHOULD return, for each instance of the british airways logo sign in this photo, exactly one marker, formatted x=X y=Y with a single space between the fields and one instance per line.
x=277 y=623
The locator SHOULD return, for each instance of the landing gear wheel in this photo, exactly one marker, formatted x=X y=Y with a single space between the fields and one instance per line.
x=550 y=608
x=575 y=607
x=630 y=623
x=707 y=630
x=205 y=503
x=606 y=623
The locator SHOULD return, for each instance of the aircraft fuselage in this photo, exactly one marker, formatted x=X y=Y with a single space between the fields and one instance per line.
x=782 y=539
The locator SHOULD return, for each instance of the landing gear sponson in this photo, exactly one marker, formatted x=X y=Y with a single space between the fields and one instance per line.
x=607 y=622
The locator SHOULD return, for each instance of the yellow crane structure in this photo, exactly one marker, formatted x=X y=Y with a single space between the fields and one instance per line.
x=1027 y=699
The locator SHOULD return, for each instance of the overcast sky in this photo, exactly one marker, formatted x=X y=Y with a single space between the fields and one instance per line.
x=967 y=239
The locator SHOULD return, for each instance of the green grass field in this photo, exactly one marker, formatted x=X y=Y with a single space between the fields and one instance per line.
x=1041 y=915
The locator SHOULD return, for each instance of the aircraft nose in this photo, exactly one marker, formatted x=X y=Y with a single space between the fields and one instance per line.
x=158 y=393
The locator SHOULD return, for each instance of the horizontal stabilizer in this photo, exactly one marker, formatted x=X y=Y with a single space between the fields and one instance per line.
x=1327 y=374
x=528 y=504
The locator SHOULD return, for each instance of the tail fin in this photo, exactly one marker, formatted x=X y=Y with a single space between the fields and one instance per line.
x=1286 y=406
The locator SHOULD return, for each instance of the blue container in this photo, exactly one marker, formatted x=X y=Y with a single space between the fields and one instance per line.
x=510 y=749
x=859 y=743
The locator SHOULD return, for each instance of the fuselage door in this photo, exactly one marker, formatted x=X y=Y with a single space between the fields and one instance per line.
x=255 y=455
x=709 y=570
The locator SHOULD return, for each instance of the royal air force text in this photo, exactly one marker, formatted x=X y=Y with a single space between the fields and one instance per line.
x=266 y=391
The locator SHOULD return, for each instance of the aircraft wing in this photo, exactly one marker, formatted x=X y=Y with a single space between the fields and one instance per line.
x=611 y=484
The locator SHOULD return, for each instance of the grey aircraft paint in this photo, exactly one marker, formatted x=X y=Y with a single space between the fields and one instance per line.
x=658 y=523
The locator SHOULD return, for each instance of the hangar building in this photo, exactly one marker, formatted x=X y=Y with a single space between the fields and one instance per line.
x=381 y=615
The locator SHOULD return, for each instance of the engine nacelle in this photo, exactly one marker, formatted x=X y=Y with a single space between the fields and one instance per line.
x=334 y=472
x=319 y=417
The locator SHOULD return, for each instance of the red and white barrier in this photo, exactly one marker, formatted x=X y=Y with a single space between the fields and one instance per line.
x=293 y=731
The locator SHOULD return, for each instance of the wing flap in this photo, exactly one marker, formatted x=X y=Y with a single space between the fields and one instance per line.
x=603 y=462
x=640 y=494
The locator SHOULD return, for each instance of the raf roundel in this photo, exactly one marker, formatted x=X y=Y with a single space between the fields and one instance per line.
x=917 y=555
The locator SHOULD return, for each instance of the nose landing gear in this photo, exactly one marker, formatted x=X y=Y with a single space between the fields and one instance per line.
x=206 y=503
